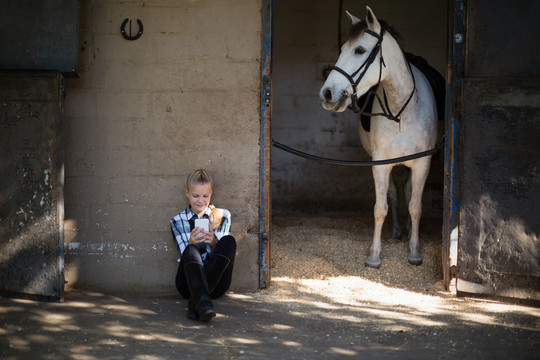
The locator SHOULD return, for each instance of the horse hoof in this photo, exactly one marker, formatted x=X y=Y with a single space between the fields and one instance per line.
x=415 y=261
x=374 y=263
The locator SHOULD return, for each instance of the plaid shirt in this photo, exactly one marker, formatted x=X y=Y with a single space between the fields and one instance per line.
x=183 y=222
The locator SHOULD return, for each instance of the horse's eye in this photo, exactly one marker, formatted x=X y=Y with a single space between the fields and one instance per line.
x=359 y=50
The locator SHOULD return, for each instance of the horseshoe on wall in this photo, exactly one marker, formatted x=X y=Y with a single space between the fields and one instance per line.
x=131 y=37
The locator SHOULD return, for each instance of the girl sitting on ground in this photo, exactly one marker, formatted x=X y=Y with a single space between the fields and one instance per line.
x=206 y=255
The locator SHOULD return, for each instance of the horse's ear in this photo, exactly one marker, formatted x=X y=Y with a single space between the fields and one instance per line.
x=372 y=22
x=354 y=19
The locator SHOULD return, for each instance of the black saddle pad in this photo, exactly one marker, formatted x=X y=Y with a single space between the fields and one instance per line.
x=436 y=80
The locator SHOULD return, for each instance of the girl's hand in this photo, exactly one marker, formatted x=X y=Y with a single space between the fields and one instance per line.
x=211 y=240
x=198 y=235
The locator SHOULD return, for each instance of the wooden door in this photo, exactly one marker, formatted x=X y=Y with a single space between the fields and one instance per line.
x=31 y=185
x=493 y=151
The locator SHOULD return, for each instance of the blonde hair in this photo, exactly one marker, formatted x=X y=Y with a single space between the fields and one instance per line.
x=202 y=177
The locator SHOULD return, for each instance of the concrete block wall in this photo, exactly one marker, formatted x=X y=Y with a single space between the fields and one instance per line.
x=141 y=117
x=305 y=42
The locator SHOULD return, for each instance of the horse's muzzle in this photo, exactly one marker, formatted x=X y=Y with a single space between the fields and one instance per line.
x=329 y=104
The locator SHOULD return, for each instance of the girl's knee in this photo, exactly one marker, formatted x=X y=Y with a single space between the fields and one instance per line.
x=226 y=246
x=229 y=240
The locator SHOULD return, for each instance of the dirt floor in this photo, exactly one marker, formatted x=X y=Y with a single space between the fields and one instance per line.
x=308 y=246
x=322 y=304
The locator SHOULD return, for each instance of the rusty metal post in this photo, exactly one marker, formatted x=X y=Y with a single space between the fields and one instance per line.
x=265 y=144
x=456 y=46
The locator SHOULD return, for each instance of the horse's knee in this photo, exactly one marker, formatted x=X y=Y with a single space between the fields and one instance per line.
x=415 y=207
x=380 y=211
x=415 y=212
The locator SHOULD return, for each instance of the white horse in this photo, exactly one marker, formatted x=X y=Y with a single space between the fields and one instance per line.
x=403 y=120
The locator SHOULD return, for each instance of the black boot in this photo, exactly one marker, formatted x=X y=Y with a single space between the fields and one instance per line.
x=200 y=306
x=215 y=271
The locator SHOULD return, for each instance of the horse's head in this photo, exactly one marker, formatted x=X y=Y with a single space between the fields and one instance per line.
x=352 y=76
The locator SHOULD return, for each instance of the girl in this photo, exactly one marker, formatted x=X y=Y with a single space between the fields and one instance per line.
x=206 y=256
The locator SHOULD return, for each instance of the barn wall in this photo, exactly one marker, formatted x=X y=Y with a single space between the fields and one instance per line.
x=305 y=42
x=141 y=117
x=31 y=197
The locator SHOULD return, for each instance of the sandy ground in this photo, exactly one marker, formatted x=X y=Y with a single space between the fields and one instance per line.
x=309 y=246
x=322 y=304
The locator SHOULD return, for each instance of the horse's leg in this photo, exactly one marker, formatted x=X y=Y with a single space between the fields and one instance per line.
x=393 y=195
x=419 y=175
x=407 y=190
x=381 y=175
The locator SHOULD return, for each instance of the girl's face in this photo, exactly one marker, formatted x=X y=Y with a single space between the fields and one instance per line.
x=199 y=197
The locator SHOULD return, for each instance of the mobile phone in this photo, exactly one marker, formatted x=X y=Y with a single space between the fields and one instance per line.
x=203 y=224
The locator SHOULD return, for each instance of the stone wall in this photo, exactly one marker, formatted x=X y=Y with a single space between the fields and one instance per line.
x=141 y=117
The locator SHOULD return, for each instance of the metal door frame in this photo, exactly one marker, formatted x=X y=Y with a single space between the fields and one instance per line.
x=450 y=233
x=265 y=143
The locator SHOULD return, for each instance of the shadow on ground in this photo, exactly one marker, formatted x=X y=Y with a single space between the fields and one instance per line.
x=293 y=321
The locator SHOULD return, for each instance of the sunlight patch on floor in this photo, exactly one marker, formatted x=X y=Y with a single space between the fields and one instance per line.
x=387 y=302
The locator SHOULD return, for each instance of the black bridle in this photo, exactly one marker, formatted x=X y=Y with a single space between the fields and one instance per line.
x=362 y=69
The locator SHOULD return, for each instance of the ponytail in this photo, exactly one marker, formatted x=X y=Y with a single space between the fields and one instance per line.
x=216 y=215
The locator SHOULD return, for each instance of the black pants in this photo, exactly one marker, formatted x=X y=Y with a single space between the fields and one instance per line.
x=225 y=247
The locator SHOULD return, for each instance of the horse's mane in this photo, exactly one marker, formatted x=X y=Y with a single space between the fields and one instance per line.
x=361 y=26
